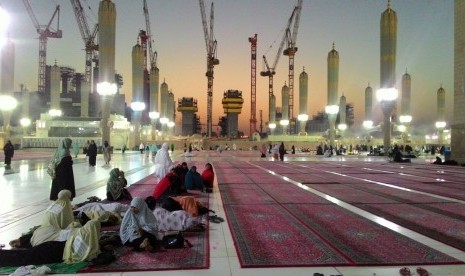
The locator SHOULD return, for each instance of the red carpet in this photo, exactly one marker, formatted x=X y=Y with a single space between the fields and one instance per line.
x=197 y=257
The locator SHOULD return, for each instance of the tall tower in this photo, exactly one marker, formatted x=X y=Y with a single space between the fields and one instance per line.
x=303 y=100
x=106 y=72
x=163 y=101
x=55 y=89
x=441 y=114
x=106 y=38
x=188 y=108
x=154 y=82
x=368 y=122
x=342 y=113
x=332 y=109
x=405 y=113
x=272 y=102
x=137 y=104
x=232 y=105
x=458 y=122
x=171 y=107
x=7 y=79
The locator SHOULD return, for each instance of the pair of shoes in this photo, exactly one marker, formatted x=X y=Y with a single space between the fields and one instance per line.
x=216 y=219
x=405 y=271
x=318 y=274
x=422 y=272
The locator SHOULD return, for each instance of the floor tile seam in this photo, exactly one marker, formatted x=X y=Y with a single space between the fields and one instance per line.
x=379 y=220
x=392 y=186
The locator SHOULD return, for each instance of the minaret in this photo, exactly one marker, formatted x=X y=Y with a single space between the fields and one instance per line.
x=7 y=80
x=458 y=121
x=342 y=113
x=405 y=113
x=232 y=105
x=137 y=104
x=441 y=114
x=163 y=100
x=272 y=122
x=55 y=90
x=154 y=83
x=332 y=109
x=368 y=122
x=106 y=38
x=106 y=72
x=303 y=100
x=388 y=28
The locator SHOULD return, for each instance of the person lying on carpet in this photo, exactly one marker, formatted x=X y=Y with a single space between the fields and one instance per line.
x=114 y=207
x=187 y=203
x=106 y=218
x=193 y=180
x=81 y=245
x=139 y=227
x=176 y=220
x=116 y=186
x=170 y=185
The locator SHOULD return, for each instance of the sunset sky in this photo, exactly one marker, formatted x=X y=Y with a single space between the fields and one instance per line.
x=424 y=48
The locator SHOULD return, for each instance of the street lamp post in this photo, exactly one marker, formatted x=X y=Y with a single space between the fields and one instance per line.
x=284 y=124
x=302 y=118
x=106 y=90
x=271 y=126
x=137 y=108
x=332 y=111
x=154 y=117
x=387 y=98
x=163 y=121
x=440 y=125
x=7 y=104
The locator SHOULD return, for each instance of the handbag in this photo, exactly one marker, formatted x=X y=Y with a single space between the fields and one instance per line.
x=52 y=164
x=175 y=240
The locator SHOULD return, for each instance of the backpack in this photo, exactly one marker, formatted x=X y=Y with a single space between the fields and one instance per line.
x=175 y=240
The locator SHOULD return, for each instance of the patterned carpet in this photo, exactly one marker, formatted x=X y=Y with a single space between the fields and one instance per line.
x=279 y=224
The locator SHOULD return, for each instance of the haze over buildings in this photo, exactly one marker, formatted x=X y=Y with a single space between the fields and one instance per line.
x=424 y=47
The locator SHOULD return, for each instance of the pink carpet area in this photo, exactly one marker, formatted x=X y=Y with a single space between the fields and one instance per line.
x=197 y=257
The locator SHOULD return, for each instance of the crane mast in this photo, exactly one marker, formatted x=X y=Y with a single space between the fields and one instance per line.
x=271 y=71
x=44 y=31
x=290 y=51
x=253 y=85
x=88 y=37
x=210 y=45
x=152 y=53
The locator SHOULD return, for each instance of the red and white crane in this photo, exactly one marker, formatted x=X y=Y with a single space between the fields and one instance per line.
x=44 y=31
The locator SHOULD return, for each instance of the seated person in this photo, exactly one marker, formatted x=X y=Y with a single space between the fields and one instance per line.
x=116 y=186
x=139 y=227
x=193 y=180
x=175 y=221
x=398 y=157
x=169 y=185
x=438 y=161
x=208 y=177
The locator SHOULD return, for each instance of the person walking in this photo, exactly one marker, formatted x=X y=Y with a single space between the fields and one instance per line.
x=141 y=148
x=92 y=153
x=64 y=176
x=163 y=162
x=76 y=149
x=9 y=151
x=106 y=152
x=282 y=151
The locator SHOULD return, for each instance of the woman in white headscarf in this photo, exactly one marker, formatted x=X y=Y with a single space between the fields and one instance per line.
x=64 y=179
x=163 y=162
x=139 y=227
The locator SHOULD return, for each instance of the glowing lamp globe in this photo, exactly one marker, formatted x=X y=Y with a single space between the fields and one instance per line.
x=8 y=103
x=137 y=106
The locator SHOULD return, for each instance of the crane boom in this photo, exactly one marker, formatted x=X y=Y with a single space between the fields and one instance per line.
x=152 y=54
x=44 y=32
x=290 y=51
x=88 y=37
x=210 y=45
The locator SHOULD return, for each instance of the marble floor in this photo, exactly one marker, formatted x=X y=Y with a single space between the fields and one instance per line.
x=24 y=193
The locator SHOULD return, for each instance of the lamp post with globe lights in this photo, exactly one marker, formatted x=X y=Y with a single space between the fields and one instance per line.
x=106 y=90
x=332 y=111
x=163 y=121
x=154 y=117
x=284 y=124
x=272 y=127
x=441 y=110
x=387 y=98
x=7 y=104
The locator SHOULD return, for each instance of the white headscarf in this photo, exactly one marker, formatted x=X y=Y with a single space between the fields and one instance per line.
x=83 y=244
x=144 y=219
x=163 y=156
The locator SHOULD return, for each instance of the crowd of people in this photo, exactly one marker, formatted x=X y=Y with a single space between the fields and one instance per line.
x=72 y=234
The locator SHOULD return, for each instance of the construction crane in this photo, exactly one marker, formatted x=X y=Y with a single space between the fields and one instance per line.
x=212 y=60
x=253 y=84
x=147 y=40
x=89 y=39
x=44 y=31
x=291 y=39
x=271 y=71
